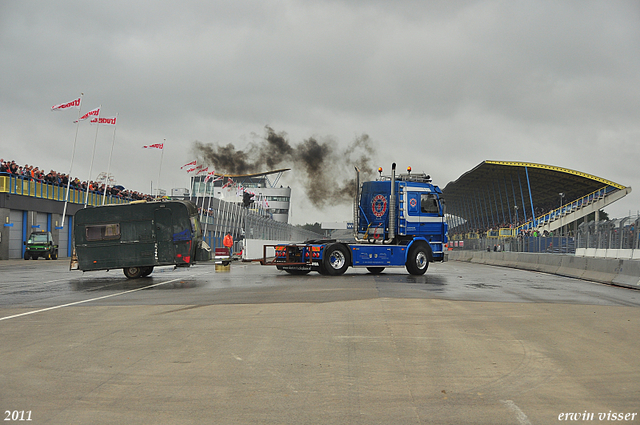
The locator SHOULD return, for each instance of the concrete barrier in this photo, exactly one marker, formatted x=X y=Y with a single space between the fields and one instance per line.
x=628 y=274
x=627 y=254
x=572 y=266
x=590 y=252
x=622 y=272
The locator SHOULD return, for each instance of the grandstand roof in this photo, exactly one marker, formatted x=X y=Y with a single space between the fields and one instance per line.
x=265 y=173
x=502 y=184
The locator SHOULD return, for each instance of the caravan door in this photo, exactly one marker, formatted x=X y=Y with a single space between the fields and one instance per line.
x=165 y=252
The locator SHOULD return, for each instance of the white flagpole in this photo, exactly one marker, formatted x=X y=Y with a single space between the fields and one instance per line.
x=224 y=219
x=160 y=169
x=204 y=199
x=95 y=142
x=216 y=228
x=199 y=187
x=113 y=142
x=73 y=154
x=236 y=221
x=208 y=207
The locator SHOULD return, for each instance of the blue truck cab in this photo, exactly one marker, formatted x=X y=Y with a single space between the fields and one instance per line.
x=399 y=221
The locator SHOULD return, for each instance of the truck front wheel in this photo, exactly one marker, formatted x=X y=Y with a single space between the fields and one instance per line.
x=418 y=260
x=336 y=259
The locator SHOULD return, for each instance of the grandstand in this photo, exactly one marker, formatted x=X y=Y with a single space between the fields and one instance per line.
x=505 y=198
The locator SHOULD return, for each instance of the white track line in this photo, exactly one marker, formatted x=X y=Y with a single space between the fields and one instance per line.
x=93 y=299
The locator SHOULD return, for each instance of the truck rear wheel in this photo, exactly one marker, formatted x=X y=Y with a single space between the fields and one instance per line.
x=133 y=272
x=321 y=269
x=336 y=259
x=418 y=260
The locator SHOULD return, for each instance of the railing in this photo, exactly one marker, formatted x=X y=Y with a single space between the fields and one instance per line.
x=567 y=208
x=18 y=185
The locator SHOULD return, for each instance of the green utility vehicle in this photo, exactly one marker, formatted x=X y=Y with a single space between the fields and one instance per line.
x=138 y=236
x=40 y=244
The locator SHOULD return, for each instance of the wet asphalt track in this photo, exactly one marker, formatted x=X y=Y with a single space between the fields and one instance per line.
x=465 y=343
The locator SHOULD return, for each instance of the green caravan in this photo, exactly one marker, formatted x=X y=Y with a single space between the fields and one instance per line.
x=136 y=237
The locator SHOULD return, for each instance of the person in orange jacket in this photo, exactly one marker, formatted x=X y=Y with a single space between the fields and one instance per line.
x=228 y=242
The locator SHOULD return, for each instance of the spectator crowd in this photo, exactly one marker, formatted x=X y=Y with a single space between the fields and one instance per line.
x=30 y=172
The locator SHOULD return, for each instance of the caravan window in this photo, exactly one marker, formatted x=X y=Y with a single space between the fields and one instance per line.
x=101 y=232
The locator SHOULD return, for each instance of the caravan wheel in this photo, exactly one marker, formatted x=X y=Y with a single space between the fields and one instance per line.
x=132 y=272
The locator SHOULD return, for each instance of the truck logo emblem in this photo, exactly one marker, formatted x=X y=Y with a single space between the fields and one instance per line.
x=379 y=205
x=413 y=202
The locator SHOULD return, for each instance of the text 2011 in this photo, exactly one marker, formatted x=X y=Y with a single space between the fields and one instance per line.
x=17 y=415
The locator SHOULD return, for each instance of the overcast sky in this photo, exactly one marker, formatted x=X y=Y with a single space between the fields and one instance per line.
x=437 y=85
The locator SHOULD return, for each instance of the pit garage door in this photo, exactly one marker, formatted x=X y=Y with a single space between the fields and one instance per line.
x=41 y=222
x=63 y=240
x=15 y=234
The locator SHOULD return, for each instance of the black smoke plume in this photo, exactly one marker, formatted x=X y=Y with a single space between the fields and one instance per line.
x=325 y=170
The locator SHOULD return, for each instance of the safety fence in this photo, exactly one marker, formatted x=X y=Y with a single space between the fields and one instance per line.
x=611 y=234
x=617 y=234
x=220 y=217
x=548 y=244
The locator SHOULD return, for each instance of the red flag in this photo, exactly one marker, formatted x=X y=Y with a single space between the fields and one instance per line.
x=103 y=121
x=74 y=104
x=228 y=183
x=188 y=164
x=209 y=176
x=203 y=170
x=157 y=146
x=91 y=113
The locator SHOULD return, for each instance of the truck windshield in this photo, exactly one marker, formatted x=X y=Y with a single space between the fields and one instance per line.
x=429 y=203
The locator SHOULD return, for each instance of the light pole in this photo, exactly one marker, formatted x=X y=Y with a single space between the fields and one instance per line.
x=560 y=212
